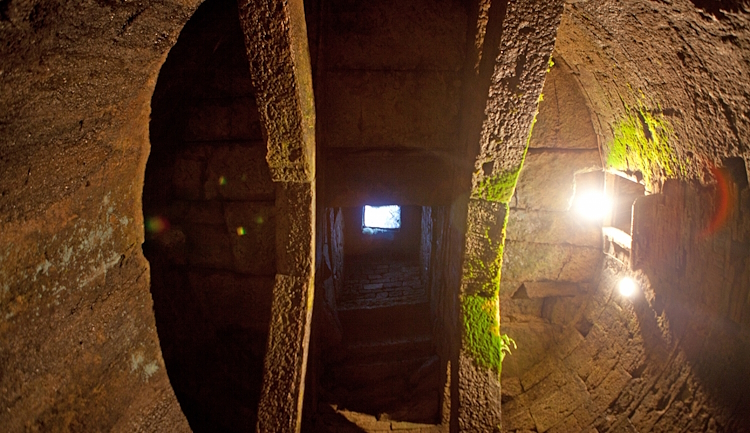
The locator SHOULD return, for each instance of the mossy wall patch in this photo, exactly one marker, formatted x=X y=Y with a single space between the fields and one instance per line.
x=642 y=143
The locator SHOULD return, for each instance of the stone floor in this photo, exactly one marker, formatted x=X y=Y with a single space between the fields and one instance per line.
x=370 y=284
x=385 y=374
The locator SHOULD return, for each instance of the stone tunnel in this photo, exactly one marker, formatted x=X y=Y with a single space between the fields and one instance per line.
x=368 y=216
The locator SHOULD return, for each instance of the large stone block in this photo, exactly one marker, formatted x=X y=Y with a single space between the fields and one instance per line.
x=552 y=228
x=280 y=408
x=610 y=388
x=295 y=210
x=523 y=261
x=197 y=212
x=560 y=394
x=421 y=34
x=239 y=172
x=564 y=120
x=392 y=109
x=416 y=178
x=547 y=178
x=251 y=228
x=223 y=119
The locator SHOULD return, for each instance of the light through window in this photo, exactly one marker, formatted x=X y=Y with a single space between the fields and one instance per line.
x=382 y=217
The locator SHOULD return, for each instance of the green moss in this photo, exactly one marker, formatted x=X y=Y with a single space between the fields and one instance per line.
x=481 y=310
x=642 y=142
x=482 y=331
x=498 y=188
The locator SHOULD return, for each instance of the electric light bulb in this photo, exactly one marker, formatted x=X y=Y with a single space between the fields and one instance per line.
x=592 y=205
x=627 y=287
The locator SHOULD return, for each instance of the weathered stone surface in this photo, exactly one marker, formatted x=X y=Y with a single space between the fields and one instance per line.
x=295 y=232
x=276 y=40
x=479 y=396
x=77 y=332
x=196 y=212
x=280 y=406
x=422 y=35
x=209 y=246
x=546 y=180
x=408 y=178
x=228 y=119
x=238 y=173
x=546 y=289
x=524 y=261
x=186 y=179
x=564 y=119
x=552 y=228
x=392 y=109
x=234 y=300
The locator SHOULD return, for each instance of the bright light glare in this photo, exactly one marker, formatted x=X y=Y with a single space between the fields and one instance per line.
x=383 y=217
x=627 y=287
x=593 y=205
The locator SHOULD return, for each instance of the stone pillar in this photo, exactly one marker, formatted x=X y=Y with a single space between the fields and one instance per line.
x=524 y=46
x=276 y=42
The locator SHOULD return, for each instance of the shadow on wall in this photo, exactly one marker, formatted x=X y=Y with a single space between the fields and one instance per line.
x=693 y=244
x=209 y=207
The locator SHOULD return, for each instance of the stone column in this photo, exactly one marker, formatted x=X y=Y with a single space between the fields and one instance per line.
x=524 y=46
x=276 y=42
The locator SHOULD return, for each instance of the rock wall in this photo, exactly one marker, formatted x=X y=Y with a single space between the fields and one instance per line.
x=389 y=79
x=79 y=345
x=684 y=63
x=404 y=242
x=209 y=205
x=552 y=253
x=672 y=357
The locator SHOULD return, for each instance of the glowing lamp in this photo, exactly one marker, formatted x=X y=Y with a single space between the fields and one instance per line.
x=593 y=205
x=627 y=287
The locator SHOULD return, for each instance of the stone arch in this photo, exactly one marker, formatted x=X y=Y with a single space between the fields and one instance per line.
x=210 y=217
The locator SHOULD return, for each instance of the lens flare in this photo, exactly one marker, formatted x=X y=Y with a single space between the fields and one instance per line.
x=241 y=231
x=222 y=180
x=157 y=224
x=627 y=287
x=722 y=198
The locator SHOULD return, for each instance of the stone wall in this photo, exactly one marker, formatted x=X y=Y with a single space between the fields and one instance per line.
x=672 y=357
x=684 y=63
x=79 y=343
x=210 y=221
x=552 y=253
x=390 y=76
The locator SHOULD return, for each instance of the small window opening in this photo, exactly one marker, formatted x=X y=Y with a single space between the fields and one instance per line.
x=624 y=191
x=618 y=226
x=381 y=218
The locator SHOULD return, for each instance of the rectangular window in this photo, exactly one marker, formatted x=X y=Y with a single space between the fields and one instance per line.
x=381 y=218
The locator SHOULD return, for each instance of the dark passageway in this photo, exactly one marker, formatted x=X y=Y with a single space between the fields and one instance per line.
x=210 y=220
x=386 y=368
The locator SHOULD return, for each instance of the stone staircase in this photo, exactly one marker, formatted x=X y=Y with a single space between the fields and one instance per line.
x=385 y=375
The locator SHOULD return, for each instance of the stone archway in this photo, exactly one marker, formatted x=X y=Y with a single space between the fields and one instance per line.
x=210 y=218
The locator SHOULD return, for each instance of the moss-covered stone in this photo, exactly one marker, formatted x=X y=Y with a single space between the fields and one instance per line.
x=642 y=143
x=482 y=331
x=481 y=309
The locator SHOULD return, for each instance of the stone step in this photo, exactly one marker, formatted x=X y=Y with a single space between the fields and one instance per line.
x=391 y=323
x=358 y=375
x=379 y=351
